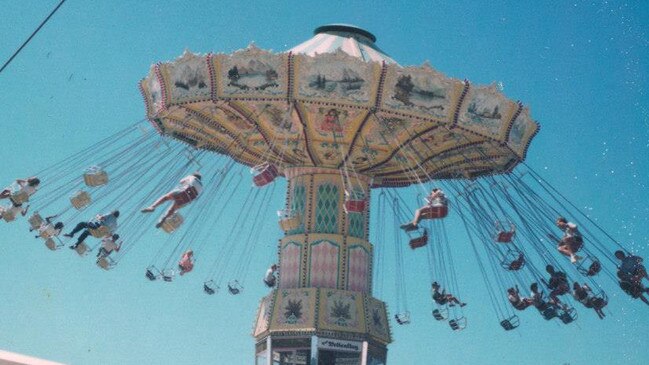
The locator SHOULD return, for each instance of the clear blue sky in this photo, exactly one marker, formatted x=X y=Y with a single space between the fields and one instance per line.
x=582 y=67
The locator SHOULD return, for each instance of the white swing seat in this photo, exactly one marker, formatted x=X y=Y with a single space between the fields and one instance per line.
x=95 y=176
x=289 y=220
x=80 y=199
x=51 y=244
x=402 y=318
x=210 y=287
x=106 y=263
x=172 y=223
x=168 y=275
x=234 y=287
x=19 y=197
x=82 y=249
x=440 y=314
x=47 y=232
x=35 y=220
x=100 y=232
x=152 y=273
x=457 y=324
x=8 y=215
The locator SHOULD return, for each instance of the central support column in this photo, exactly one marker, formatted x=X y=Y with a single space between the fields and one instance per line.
x=329 y=249
x=322 y=310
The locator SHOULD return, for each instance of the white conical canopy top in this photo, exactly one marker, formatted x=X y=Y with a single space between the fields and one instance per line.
x=352 y=40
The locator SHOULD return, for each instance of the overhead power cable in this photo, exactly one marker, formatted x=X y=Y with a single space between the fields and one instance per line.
x=30 y=37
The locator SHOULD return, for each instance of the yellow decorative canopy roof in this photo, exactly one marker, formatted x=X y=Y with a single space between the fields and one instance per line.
x=398 y=125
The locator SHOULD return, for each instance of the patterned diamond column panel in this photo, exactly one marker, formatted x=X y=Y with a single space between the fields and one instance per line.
x=291 y=264
x=324 y=261
x=358 y=267
x=327 y=209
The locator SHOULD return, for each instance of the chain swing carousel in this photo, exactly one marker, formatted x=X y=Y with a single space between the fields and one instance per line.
x=337 y=118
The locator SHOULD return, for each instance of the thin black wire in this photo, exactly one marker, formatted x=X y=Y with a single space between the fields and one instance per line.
x=30 y=37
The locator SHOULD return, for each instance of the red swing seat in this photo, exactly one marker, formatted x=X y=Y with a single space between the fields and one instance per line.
x=420 y=240
x=434 y=212
x=505 y=236
x=355 y=202
x=355 y=206
x=264 y=174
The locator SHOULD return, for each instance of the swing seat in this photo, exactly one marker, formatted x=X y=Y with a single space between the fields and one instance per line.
x=510 y=323
x=234 y=287
x=35 y=221
x=600 y=300
x=51 y=244
x=80 y=200
x=172 y=223
x=106 y=263
x=440 y=315
x=100 y=232
x=402 y=318
x=355 y=202
x=434 y=212
x=82 y=249
x=505 y=236
x=47 y=233
x=152 y=273
x=457 y=324
x=210 y=287
x=168 y=275
x=549 y=313
x=589 y=266
x=19 y=197
x=420 y=241
x=95 y=176
x=8 y=215
x=355 y=206
x=264 y=174
x=271 y=283
x=568 y=316
x=511 y=261
x=289 y=220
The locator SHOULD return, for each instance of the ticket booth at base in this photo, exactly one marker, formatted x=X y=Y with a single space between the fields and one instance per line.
x=317 y=351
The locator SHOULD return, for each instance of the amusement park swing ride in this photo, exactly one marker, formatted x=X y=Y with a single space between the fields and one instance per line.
x=348 y=129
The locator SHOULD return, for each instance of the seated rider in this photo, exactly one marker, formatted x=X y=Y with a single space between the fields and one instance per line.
x=47 y=229
x=571 y=241
x=635 y=290
x=14 y=209
x=505 y=236
x=631 y=267
x=442 y=298
x=107 y=220
x=28 y=185
x=437 y=198
x=186 y=263
x=516 y=301
x=584 y=295
x=518 y=263
x=189 y=189
x=537 y=297
x=558 y=284
x=108 y=245
x=269 y=279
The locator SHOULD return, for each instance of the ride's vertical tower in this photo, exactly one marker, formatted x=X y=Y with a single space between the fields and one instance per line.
x=323 y=311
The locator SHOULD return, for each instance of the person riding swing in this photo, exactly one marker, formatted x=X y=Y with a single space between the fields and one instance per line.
x=436 y=207
x=189 y=189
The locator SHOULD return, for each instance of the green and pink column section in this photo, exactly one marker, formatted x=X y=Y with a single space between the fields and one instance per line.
x=322 y=310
